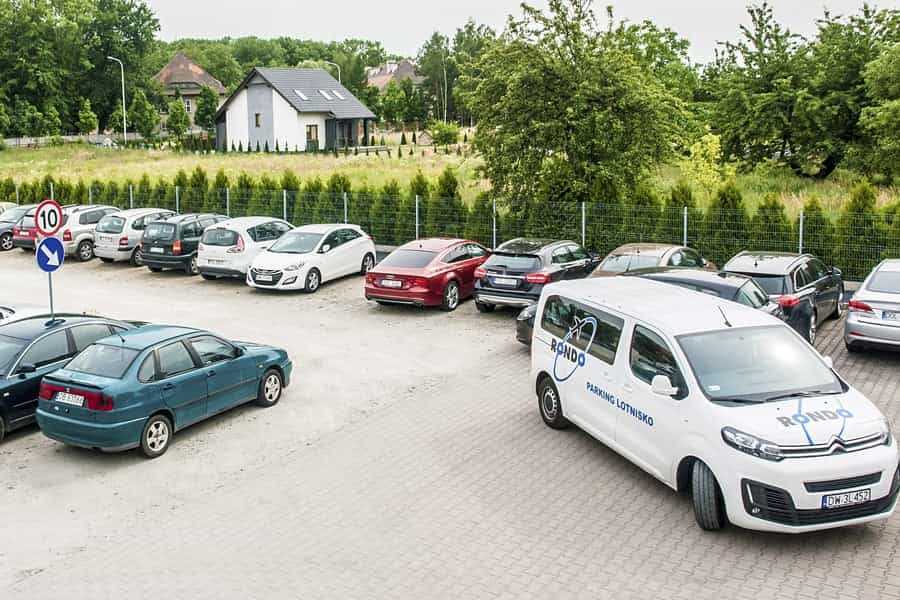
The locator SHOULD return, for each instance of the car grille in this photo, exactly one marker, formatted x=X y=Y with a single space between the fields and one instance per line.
x=843 y=484
x=275 y=275
x=776 y=505
x=835 y=446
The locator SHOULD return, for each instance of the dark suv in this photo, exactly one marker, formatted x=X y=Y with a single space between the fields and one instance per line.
x=517 y=271
x=807 y=290
x=172 y=243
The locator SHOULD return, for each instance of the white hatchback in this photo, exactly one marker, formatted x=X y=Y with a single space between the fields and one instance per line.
x=228 y=248
x=715 y=399
x=307 y=256
x=118 y=235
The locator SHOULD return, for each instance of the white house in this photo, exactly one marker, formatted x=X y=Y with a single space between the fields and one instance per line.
x=293 y=109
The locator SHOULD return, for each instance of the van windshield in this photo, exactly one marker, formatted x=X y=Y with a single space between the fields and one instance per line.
x=757 y=364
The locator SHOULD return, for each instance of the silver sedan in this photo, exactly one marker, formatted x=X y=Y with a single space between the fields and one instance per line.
x=874 y=315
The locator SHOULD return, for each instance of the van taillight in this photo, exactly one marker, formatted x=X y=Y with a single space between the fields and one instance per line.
x=67 y=235
x=539 y=277
x=788 y=301
x=98 y=401
x=859 y=306
x=480 y=273
x=176 y=247
x=239 y=246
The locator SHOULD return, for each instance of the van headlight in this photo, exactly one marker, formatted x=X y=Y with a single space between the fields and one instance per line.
x=751 y=444
x=294 y=267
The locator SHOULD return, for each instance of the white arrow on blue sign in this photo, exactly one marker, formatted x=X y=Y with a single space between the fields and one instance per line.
x=50 y=254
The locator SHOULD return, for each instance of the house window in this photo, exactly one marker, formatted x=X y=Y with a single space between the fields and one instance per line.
x=339 y=95
x=312 y=133
x=257 y=118
x=301 y=95
x=187 y=104
x=325 y=95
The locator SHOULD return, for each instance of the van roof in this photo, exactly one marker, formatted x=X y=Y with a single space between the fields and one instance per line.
x=674 y=310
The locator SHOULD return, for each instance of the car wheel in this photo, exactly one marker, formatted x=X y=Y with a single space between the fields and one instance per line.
x=813 y=329
x=852 y=348
x=85 y=251
x=550 y=406
x=270 y=389
x=839 y=309
x=709 y=506
x=106 y=260
x=2 y=428
x=156 y=436
x=6 y=242
x=367 y=263
x=155 y=269
x=313 y=281
x=208 y=277
x=137 y=257
x=484 y=308
x=451 y=297
x=191 y=268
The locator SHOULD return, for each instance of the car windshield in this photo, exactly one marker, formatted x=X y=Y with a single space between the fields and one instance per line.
x=13 y=215
x=111 y=224
x=219 y=237
x=772 y=284
x=103 y=361
x=620 y=263
x=886 y=282
x=9 y=350
x=159 y=231
x=752 y=295
x=408 y=259
x=296 y=242
x=513 y=262
x=756 y=364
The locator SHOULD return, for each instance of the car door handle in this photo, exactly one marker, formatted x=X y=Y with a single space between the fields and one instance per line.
x=168 y=387
x=210 y=373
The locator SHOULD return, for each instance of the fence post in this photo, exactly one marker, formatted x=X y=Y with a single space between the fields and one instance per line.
x=17 y=194
x=90 y=194
x=583 y=223
x=685 y=225
x=417 y=216
x=345 y=207
x=52 y=197
x=177 y=199
x=228 y=202
x=284 y=204
x=494 y=225
x=801 y=231
x=131 y=196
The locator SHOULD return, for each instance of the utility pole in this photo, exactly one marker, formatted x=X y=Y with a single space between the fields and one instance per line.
x=124 y=109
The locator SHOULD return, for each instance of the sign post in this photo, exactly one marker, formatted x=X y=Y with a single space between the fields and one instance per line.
x=49 y=253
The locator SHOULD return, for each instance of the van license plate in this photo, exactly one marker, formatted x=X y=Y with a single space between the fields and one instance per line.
x=391 y=283
x=156 y=250
x=504 y=281
x=67 y=398
x=846 y=499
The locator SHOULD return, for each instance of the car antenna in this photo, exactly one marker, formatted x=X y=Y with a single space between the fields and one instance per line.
x=724 y=317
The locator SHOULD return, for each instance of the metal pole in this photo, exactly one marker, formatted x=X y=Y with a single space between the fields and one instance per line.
x=345 y=207
x=50 y=285
x=685 y=225
x=227 y=202
x=51 y=191
x=334 y=64
x=90 y=194
x=17 y=194
x=583 y=223
x=131 y=196
x=494 y=225
x=284 y=204
x=177 y=200
x=801 y=231
x=417 y=216
x=124 y=110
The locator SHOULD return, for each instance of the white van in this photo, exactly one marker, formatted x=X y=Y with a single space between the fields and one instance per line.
x=715 y=399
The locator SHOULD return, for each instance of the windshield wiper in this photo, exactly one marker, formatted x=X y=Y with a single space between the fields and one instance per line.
x=808 y=394
x=739 y=400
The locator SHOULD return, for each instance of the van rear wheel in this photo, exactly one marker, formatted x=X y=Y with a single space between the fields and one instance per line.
x=550 y=405
x=709 y=506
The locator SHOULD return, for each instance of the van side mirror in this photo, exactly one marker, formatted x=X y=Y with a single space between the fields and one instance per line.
x=325 y=248
x=662 y=386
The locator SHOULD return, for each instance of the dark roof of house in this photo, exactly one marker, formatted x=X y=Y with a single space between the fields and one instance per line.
x=310 y=83
x=383 y=75
x=182 y=69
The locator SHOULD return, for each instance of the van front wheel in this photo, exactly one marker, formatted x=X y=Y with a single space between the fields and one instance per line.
x=709 y=506
x=550 y=405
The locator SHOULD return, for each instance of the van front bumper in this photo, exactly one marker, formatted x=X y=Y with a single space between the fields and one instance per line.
x=110 y=437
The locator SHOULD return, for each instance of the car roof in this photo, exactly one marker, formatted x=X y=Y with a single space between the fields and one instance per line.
x=891 y=265
x=764 y=263
x=432 y=244
x=78 y=208
x=138 y=212
x=181 y=218
x=700 y=277
x=528 y=245
x=246 y=222
x=33 y=326
x=326 y=227
x=672 y=309
x=649 y=248
x=149 y=335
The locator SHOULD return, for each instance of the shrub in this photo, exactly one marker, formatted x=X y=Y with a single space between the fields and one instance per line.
x=860 y=233
x=383 y=212
x=480 y=220
x=444 y=134
x=446 y=212
x=770 y=228
x=725 y=225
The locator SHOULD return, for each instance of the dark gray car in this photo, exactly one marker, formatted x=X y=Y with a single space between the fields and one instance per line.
x=8 y=220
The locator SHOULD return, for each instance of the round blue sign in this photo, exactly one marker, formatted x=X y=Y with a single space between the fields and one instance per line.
x=50 y=254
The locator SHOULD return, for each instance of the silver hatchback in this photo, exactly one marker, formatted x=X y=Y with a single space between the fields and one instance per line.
x=874 y=315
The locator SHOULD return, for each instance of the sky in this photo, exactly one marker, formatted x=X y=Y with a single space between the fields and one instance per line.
x=403 y=25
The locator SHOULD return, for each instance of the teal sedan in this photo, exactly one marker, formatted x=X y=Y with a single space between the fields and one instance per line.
x=137 y=388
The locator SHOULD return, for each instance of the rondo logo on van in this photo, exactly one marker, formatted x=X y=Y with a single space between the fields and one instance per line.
x=802 y=419
x=575 y=356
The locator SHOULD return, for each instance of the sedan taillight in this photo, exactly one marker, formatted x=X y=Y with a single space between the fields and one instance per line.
x=858 y=306
x=788 y=301
x=480 y=273
x=540 y=277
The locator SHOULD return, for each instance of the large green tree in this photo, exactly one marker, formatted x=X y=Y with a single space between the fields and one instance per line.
x=178 y=121
x=143 y=116
x=881 y=121
x=205 y=117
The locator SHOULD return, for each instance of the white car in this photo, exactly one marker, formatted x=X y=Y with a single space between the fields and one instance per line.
x=227 y=249
x=716 y=399
x=305 y=257
x=118 y=235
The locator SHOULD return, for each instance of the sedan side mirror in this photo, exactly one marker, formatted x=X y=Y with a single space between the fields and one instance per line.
x=325 y=248
x=26 y=368
x=662 y=386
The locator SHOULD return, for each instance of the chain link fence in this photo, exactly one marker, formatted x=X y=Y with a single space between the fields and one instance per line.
x=854 y=242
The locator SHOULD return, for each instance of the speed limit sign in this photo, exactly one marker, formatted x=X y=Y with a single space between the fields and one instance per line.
x=48 y=217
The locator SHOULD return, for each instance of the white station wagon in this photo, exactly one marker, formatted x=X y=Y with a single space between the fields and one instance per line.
x=118 y=235
x=715 y=399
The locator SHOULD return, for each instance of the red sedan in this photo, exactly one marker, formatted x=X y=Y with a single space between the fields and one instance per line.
x=431 y=272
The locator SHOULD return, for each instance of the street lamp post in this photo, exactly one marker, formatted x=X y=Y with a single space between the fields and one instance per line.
x=333 y=64
x=124 y=122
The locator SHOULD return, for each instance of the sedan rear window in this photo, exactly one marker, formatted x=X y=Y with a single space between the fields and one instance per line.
x=773 y=284
x=160 y=231
x=103 y=361
x=110 y=224
x=886 y=282
x=408 y=259
x=524 y=263
x=219 y=237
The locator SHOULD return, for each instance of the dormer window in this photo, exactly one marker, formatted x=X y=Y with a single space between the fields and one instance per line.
x=326 y=95
x=301 y=95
